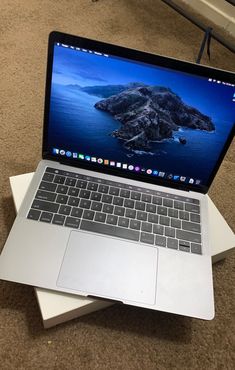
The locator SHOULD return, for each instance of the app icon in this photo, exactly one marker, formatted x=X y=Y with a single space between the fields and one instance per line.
x=130 y=167
x=80 y=156
x=191 y=181
x=93 y=159
x=100 y=160
x=161 y=174
x=68 y=153
x=198 y=182
x=118 y=164
x=155 y=172
x=87 y=158
x=176 y=177
x=170 y=176
x=55 y=151
x=182 y=178
x=62 y=152
x=75 y=155
x=112 y=163
x=106 y=161
x=149 y=171
x=124 y=166
x=137 y=168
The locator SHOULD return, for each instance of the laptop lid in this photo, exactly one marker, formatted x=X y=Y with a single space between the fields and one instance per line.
x=136 y=115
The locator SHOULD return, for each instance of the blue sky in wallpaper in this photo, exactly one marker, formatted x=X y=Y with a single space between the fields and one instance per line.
x=76 y=125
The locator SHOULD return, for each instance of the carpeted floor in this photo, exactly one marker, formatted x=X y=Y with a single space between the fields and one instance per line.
x=119 y=337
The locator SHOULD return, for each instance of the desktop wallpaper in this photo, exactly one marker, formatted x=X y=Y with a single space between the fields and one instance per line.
x=149 y=117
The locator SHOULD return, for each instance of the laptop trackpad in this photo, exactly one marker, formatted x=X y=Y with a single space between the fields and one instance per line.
x=110 y=268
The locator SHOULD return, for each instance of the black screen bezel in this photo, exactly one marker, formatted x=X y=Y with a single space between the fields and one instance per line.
x=139 y=56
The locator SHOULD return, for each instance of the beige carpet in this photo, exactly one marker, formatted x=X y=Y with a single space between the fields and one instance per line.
x=119 y=337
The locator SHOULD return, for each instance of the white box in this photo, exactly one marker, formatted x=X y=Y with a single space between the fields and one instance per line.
x=59 y=307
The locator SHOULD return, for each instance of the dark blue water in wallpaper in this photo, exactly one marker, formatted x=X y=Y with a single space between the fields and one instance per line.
x=80 y=81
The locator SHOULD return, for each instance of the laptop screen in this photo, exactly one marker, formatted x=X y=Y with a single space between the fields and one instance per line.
x=136 y=118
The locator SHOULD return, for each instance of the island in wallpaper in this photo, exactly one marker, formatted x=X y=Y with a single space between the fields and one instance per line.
x=133 y=113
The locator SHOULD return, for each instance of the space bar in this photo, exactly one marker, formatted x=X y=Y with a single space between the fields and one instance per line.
x=110 y=230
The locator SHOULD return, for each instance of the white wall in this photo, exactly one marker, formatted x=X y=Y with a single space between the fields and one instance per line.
x=219 y=11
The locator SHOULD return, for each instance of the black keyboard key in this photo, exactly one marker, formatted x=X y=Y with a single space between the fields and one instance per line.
x=85 y=203
x=59 y=179
x=184 y=246
x=167 y=202
x=88 y=214
x=119 y=211
x=184 y=215
x=153 y=218
x=172 y=243
x=77 y=212
x=45 y=195
x=96 y=196
x=147 y=238
x=128 y=203
x=114 y=191
x=187 y=235
x=170 y=232
x=64 y=210
x=125 y=193
x=162 y=210
x=92 y=186
x=117 y=201
x=110 y=230
x=62 y=199
x=124 y=222
x=70 y=181
x=112 y=220
x=58 y=220
x=45 y=206
x=135 y=195
x=100 y=217
x=194 y=217
x=48 y=177
x=72 y=222
x=107 y=198
x=103 y=189
x=178 y=204
x=164 y=220
x=142 y=216
x=146 y=198
x=47 y=186
x=140 y=206
x=96 y=206
x=160 y=241
x=146 y=226
x=191 y=226
x=81 y=184
x=73 y=191
x=151 y=208
x=173 y=212
x=108 y=208
x=73 y=201
x=157 y=200
x=176 y=223
x=158 y=229
x=33 y=214
x=192 y=208
x=84 y=194
x=62 y=189
x=46 y=217
x=134 y=224
x=130 y=213
x=196 y=248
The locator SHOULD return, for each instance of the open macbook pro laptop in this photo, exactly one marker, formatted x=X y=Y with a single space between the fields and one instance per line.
x=117 y=207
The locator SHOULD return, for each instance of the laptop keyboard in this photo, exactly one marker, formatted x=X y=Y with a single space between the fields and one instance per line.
x=111 y=208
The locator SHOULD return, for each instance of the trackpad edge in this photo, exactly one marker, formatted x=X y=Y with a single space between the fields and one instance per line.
x=110 y=268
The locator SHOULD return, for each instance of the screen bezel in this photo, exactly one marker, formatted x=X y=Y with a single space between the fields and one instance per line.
x=139 y=56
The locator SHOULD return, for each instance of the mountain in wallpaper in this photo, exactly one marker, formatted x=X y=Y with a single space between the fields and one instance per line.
x=146 y=113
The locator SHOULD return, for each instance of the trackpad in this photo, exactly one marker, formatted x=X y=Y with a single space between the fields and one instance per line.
x=110 y=268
